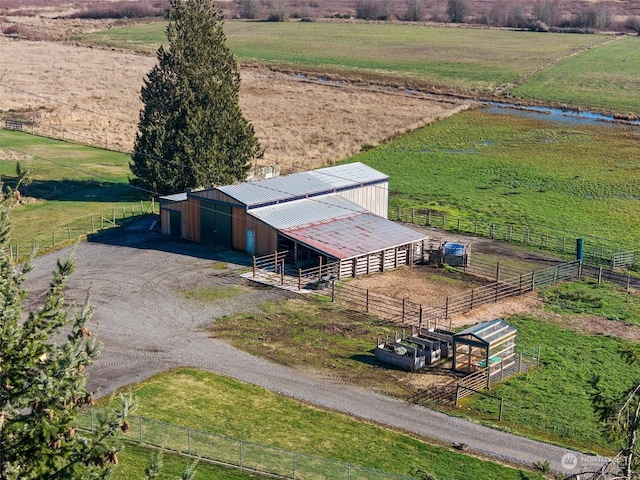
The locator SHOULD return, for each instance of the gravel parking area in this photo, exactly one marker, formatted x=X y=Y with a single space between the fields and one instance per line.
x=147 y=325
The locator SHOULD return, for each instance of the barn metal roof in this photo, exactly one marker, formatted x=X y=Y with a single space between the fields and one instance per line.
x=303 y=185
x=354 y=235
x=176 y=197
x=306 y=212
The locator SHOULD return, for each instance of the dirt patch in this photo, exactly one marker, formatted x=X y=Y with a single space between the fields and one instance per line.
x=92 y=96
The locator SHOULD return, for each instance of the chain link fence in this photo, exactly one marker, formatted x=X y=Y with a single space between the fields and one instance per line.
x=238 y=453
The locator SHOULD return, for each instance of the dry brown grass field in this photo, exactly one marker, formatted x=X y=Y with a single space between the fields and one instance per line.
x=93 y=96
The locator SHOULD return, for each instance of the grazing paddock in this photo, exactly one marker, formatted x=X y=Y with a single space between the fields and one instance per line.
x=446 y=59
x=603 y=78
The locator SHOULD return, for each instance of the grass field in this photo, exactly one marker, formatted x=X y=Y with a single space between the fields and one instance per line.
x=133 y=460
x=70 y=185
x=471 y=60
x=553 y=401
x=204 y=401
x=512 y=169
x=603 y=78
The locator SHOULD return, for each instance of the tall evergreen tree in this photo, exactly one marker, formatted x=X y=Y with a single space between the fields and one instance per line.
x=192 y=132
x=43 y=357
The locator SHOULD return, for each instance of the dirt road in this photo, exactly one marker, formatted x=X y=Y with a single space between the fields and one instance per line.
x=147 y=326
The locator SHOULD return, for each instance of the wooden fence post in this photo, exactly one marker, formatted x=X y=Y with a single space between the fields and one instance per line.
x=497 y=271
x=333 y=291
x=254 y=266
x=457 y=394
x=599 y=275
x=471 y=306
x=366 y=310
x=420 y=320
x=501 y=408
x=53 y=239
x=282 y=272
x=533 y=281
x=300 y=281
x=69 y=231
x=403 y=301
x=446 y=307
x=538 y=356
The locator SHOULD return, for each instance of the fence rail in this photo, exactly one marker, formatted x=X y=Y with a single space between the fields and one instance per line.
x=21 y=248
x=403 y=311
x=595 y=250
x=238 y=453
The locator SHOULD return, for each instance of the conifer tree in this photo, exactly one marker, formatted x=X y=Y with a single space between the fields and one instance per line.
x=192 y=132
x=43 y=358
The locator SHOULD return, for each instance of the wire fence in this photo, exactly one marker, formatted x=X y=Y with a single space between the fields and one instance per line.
x=77 y=229
x=596 y=251
x=238 y=453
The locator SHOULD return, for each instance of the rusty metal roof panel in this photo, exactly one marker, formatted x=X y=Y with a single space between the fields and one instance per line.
x=355 y=235
x=304 y=185
x=309 y=211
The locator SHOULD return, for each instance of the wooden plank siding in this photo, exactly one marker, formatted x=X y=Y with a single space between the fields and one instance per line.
x=266 y=236
x=192 y=217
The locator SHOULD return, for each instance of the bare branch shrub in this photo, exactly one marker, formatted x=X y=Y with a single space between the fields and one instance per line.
x=280 y=12
x=458 y=10
x=249 y=9
x=123 y=9
x=415 y=10
x=23 y=32
x=373 y=9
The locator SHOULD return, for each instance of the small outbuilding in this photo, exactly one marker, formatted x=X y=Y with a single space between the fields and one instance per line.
x=489 y=344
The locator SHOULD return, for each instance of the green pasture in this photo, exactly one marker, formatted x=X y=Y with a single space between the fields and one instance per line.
x=471 y=60
x=512 y=169
x=551 y=402
x=216 y=404
x=554 y=400
x=604 y=78
x=73 y=191
x=590 y=298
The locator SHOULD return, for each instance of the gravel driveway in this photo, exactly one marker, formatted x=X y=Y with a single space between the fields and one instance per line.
x=146 y=326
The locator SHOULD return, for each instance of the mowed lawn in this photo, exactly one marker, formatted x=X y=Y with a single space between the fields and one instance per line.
x=604 y=78
x=512 y=169
x=70 y=185
x=472 y=60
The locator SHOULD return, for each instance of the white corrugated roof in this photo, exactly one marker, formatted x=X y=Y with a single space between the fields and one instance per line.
x=305 y=184
x=307 y=211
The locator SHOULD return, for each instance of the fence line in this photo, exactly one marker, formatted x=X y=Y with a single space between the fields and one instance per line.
x=238 y=453
x=595 y=250
x=404 y=311
x=77 y=228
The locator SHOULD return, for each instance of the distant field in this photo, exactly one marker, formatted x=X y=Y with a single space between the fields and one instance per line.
x=472 y=60
x=511 y=169
x=70 y=185
x=604 y=78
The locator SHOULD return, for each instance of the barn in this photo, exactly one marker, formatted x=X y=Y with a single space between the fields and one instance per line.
x=330 y=215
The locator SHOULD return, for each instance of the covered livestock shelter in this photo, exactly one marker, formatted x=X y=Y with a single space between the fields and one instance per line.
x=331 y=215
x=487 y=345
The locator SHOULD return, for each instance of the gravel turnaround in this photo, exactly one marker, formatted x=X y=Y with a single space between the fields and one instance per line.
x=146 y=326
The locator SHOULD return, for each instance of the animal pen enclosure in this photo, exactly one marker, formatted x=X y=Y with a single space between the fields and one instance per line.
x=487 y=345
